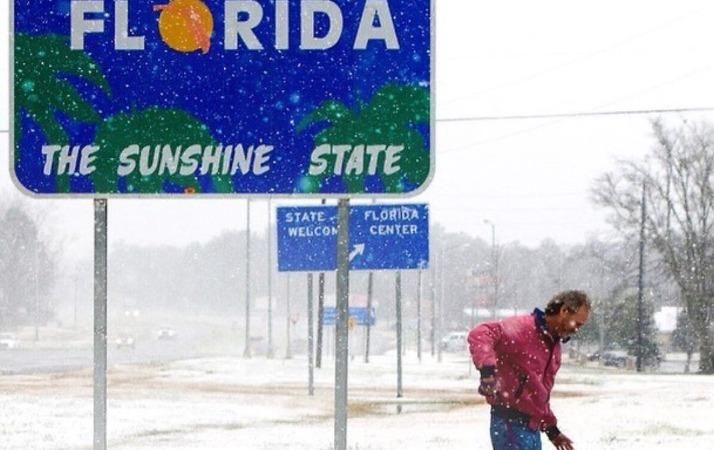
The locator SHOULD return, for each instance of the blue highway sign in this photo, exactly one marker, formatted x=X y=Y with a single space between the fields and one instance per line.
x=381 y=237
x=360 y=314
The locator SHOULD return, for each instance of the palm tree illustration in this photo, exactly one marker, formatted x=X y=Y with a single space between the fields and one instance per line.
x=151 y=127
x=391 y=117
x=42 y=65
x=42 y=90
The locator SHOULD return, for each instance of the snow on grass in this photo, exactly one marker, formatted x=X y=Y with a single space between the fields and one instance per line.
x=259 y=404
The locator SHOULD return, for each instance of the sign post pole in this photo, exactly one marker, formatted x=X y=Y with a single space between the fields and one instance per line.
x=398 y=285
x=419 y=274
x=341 y=335
x=310 y=337
x=320 y=324
x=100 y=324
x=432 y=298
x=270 y=285
x=370 y=288
x=288 y=349
x=440 y=322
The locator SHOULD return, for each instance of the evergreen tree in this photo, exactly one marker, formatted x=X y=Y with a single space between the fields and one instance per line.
x=623 y=329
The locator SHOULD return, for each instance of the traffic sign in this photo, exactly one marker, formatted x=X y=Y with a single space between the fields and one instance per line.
x=381 y=237
x=360 y=315
x=180 y=97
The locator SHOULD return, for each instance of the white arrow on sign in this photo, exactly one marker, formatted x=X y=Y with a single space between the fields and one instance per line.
x=358 y=250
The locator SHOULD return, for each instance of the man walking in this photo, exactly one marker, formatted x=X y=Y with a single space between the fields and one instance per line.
x=518 y=358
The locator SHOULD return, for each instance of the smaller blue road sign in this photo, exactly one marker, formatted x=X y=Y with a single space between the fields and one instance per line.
x=381 y=237
x=361 y=315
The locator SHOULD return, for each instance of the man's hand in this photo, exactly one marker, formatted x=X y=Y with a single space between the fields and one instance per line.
x=487 y=388
x=562 y=442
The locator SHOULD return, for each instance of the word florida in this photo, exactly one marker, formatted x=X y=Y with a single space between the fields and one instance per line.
x=242 y=19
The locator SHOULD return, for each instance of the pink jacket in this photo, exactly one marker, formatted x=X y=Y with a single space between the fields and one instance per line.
x=526 y=358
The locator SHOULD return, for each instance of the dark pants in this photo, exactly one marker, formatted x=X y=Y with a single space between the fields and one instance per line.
x=512 y=433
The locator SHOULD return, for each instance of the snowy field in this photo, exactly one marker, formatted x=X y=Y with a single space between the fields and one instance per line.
x=232 y=403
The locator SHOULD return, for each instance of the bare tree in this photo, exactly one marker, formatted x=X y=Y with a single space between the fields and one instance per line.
x=679 y=194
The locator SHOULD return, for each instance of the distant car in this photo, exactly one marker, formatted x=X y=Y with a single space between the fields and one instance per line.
x=614 y=358
x=166 y=333
x=454 y=341
x=8 y=341
x=594 y=356
x=124 y=342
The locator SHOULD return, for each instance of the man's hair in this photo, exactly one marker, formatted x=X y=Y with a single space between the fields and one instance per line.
x=570 y=300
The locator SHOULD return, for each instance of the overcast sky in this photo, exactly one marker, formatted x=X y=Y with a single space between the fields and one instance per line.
x=531 y=178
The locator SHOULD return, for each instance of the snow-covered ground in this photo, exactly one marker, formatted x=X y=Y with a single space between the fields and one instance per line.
x=234 y=403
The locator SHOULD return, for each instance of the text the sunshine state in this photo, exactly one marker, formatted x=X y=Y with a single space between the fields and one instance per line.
x=197 y=159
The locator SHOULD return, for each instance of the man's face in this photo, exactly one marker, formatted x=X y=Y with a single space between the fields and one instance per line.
x=570 y=322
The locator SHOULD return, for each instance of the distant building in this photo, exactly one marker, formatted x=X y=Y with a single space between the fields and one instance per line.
x=666 y=322
x=666 y=318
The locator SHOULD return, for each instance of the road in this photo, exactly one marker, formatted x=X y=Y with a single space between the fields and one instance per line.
x=146 y=350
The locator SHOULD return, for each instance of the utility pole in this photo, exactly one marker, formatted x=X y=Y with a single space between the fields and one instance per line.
x=601 y=316
x=494 y=266
x=640 y=280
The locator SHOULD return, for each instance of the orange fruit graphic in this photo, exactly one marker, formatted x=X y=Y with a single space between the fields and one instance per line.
x=186 y=25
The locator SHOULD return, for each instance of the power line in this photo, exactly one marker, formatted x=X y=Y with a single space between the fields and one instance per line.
x=632 y=112
x=575 y=114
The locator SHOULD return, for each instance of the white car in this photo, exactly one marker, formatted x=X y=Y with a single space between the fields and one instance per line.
x=124 y=342
x=166 y=333
x=454 y=341
x=8 y=341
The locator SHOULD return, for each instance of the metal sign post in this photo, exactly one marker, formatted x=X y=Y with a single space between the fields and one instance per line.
x=418 y=301
x=310 y=338
x=370 y=288
x=100 y=324
x=288 y=349
x=270 y=286
x=341 y=335
x=320 y=309
x=432 y=298
x=398 y=295
x=442 y=290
